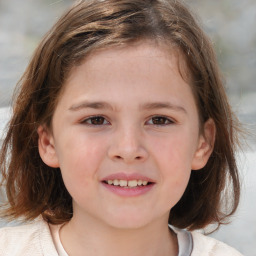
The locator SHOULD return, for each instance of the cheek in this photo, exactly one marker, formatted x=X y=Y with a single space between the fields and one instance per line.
x=80 y=158
x=176 y=171
x=176 y=149
x=174 y=157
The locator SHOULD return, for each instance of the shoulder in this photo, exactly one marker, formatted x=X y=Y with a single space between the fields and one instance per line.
x=203 y=245
x=25 y=240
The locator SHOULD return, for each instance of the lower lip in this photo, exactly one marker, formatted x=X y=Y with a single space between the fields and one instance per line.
x=129 y=192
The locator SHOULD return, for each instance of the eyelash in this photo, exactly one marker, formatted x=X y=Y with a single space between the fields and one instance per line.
x=162 y=118
x=89 y=121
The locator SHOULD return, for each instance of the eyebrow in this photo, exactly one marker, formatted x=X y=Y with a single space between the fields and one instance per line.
x=94 y=105
x=146 y=106
x=162 y=105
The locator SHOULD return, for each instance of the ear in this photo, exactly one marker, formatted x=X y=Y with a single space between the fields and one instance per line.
x=205 y=145
x=46 y=147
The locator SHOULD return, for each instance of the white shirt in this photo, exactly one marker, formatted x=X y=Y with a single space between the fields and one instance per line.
x=35 y=239
x=185 y=241
x=55 y=231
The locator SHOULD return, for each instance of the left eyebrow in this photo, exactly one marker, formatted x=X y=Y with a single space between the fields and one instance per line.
x=88 y=104
x=162 y=105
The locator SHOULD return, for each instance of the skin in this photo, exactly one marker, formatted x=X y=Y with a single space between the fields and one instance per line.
x=135 y=134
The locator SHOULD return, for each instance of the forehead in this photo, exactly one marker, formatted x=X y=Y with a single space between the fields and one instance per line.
x=138 y=71
x=140 y=51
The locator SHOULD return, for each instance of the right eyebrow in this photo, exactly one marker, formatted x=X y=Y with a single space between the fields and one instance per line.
x=163 y=105
x=91 y=104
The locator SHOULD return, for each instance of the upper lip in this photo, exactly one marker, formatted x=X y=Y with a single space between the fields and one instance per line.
x=126 y=176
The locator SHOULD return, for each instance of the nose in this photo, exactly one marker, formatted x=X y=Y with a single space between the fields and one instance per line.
x=127 y=146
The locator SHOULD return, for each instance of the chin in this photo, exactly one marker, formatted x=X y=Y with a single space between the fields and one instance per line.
x=128 y=220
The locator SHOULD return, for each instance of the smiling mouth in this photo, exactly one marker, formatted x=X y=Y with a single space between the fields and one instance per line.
x=128 y=183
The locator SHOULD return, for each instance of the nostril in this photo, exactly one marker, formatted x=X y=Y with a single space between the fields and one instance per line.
x=136 y=158
x=127 y=154
x=128 y=157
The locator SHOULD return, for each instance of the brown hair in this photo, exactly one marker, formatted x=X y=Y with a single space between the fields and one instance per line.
x=33 y=188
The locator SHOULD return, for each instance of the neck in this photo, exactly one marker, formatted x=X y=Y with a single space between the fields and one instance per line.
x=94 y=238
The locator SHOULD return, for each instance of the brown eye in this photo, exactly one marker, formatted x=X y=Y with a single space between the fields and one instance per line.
x=160 y=120
x=95 y=120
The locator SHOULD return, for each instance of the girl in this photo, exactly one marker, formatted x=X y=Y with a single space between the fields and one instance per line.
x=120 y=127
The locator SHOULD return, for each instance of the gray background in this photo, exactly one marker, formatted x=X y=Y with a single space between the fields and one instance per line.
x=231 y=24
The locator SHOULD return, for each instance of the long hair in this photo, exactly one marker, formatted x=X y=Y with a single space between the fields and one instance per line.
x=34 y=189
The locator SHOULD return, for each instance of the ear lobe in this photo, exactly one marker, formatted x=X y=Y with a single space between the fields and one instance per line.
x=46 y=147
x=205 y=145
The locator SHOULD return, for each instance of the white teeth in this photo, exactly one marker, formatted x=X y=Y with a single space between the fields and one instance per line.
x=125 y=183
x=132 y=183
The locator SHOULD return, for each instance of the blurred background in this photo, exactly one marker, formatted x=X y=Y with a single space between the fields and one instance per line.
x=231 y=25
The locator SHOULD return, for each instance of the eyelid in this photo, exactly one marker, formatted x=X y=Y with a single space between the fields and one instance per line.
x=84 y=121
x=170 y=120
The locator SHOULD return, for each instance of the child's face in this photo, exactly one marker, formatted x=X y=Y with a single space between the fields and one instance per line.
x=125 y=114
